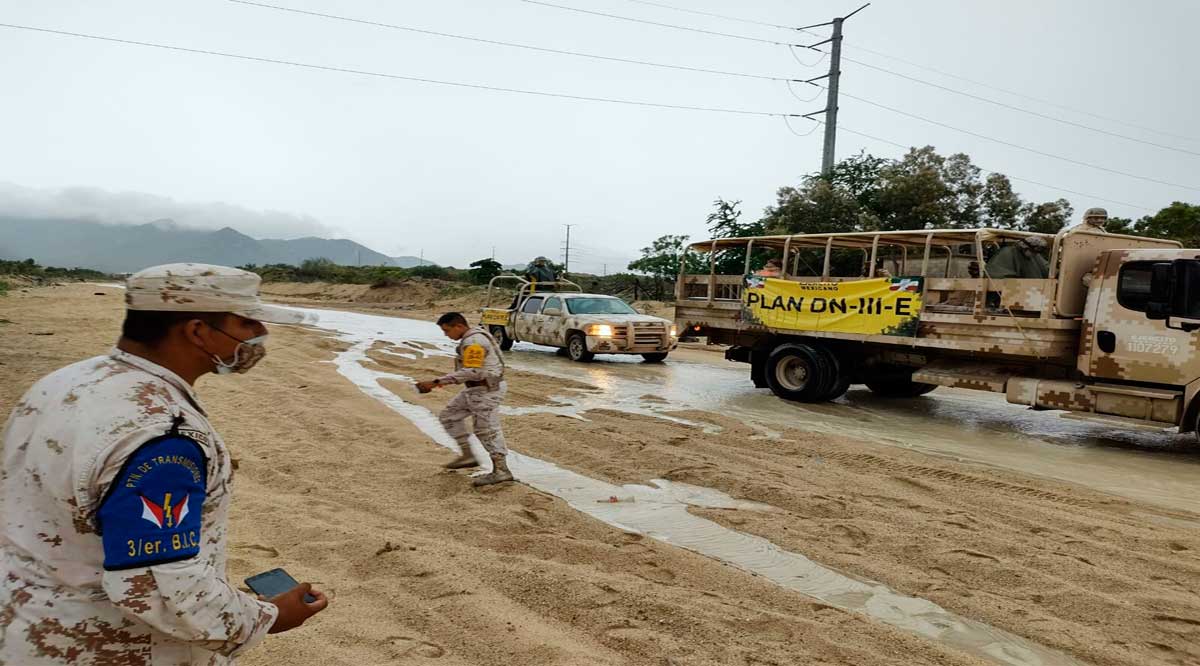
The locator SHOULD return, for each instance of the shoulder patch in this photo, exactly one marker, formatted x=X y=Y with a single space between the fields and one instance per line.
x=151 y=513
x=473 y=356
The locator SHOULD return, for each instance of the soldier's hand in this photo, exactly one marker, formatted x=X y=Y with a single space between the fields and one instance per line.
x=293 y=610
x=426 y=387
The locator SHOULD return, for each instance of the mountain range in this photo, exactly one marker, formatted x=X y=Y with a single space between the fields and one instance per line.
x=128 y=248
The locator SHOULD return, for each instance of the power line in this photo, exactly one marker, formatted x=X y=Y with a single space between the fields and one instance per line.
x=1018 y=146
x=936 y=71
x=1013 y=107
x=399 y=77
x=883 y=106
x=1023 y=95
x=661 y=25
x=235 y=56
x=720 y=16
x=1006 y=175
x=788 y=122
x=687 y=68
x=495 y=42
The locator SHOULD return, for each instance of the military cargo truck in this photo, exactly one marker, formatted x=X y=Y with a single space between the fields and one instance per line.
x=558 y=314
x=1108 y=333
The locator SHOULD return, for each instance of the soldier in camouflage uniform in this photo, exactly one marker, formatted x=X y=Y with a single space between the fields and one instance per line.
x=115 y=491
x=480 y=365
x=1094 y=220
x=1023 y=259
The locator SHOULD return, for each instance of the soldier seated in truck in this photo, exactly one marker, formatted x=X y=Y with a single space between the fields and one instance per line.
x=773 y=268
x=1023 y=259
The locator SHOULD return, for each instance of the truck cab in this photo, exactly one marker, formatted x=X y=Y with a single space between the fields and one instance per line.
x=582 y=325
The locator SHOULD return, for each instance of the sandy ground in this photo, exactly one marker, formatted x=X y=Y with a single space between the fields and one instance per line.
x=343 y=492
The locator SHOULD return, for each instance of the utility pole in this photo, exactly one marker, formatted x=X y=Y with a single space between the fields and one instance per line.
x=831 y=102
x=567 y=255
x=834 y=76
x=421 y=259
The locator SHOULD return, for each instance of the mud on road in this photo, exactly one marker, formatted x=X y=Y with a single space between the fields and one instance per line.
x=346 y=492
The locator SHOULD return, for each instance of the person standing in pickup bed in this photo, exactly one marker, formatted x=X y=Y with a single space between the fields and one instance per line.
x=478 y=364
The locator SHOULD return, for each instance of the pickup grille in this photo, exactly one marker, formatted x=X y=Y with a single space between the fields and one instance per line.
x=647 y=333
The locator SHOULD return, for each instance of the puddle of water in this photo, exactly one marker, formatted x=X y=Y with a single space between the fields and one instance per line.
x=965 y=425
x=660 y=511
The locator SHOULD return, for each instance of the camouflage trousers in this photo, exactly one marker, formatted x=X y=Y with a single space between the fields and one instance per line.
x=483 y=407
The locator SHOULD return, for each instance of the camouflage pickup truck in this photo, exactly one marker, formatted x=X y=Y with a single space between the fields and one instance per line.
x=1099 y=326
x=583 y=325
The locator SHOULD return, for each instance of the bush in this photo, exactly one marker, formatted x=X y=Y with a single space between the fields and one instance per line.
x=323 y=270
x=30 y=268
x=434 y=272
x=3 y=288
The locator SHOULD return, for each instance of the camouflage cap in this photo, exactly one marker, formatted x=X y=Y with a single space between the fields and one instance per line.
x=203 y=288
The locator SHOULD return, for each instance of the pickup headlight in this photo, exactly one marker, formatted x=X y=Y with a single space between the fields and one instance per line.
x=600 y=330
x=674 y=331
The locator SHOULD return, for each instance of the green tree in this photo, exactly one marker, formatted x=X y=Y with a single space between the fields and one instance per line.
x=915 y=192
x=484 y=270
x=1046 y=218
x=1001 y=205
x=1179 y=221
x=664 y=258
x=1120 y=225
x=724 y=222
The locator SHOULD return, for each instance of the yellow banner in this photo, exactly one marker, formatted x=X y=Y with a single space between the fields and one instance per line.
x=494 y=317
x=884 y=306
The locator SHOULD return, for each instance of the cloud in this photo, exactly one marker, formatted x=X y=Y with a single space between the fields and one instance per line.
x=139 y=208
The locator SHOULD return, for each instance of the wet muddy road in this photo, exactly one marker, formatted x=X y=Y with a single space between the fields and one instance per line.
x=1012 y=536
x=970 y=426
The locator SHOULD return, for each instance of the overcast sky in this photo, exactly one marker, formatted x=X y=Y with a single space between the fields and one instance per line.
x=407 y=167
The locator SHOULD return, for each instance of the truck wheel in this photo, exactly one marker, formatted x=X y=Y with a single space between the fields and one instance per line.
x=839 y=375
x=798 y=372
x=901 y=386
x=577 y=348
x=501 y=334
x=657 y=357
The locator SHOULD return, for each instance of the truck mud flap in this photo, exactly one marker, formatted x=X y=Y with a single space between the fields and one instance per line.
x=739 y=354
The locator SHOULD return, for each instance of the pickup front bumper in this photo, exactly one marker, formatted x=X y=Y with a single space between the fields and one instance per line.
x=615 y=345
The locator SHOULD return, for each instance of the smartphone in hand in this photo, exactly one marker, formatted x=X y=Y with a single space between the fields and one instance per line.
x=270 y=584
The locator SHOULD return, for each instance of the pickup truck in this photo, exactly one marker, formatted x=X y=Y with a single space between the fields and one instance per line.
x=582 y=325
x=1109 y=335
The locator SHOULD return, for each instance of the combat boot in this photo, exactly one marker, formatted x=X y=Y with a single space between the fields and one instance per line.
x=464 y=460
x=499 y=473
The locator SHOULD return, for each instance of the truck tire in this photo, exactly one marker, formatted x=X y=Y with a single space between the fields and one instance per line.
x=798 y=372
x=577 y=348
x=839 y=375
x=501 y=335
x=657 y=357
x=898 y=386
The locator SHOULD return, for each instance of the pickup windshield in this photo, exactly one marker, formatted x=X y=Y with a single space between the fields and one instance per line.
x=598 y=306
